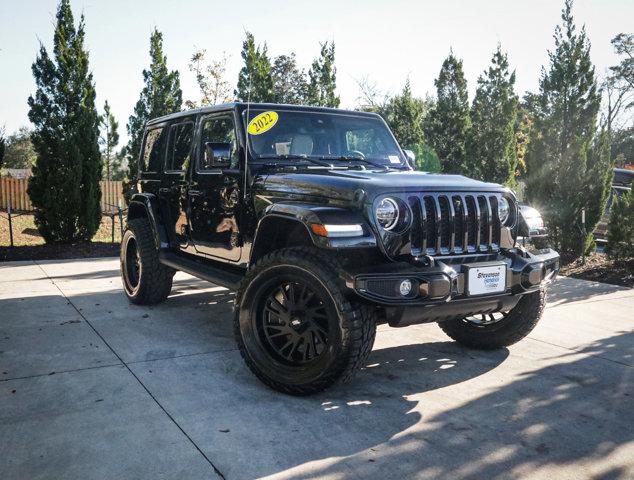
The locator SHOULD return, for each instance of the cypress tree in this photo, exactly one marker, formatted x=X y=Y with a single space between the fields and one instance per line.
x=255 y=81
x=289 y=82
x=404 y=116
x=64 y=188
x=110 y=138
x=160 y=96
x=568 y=159
x=492 y=143
x=323 y=78
x=448 y=123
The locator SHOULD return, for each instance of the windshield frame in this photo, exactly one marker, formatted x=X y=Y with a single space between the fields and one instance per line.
x=256 y=109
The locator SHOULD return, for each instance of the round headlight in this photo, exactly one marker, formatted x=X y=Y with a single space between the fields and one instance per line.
x=504 y=209
x=387 y=213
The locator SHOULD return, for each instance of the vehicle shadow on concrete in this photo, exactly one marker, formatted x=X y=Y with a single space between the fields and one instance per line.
x=569 y=290
x=574 y=413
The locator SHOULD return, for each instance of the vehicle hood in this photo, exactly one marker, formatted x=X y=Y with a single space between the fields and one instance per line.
x=345 y=184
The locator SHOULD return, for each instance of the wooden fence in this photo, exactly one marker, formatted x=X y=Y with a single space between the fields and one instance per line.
x=13 y=191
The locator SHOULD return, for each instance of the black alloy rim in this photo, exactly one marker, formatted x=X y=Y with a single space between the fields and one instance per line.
x=484 y=319
x=294 y=326
x=132 y=264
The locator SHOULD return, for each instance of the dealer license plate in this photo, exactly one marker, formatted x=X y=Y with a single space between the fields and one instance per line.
x=486 y=279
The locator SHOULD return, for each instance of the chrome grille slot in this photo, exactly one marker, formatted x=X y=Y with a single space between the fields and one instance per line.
x=485 y=222
x=472 y=223
x=454 y=223
x=417 y=239
x=446 y=224
x=459 y=224
x=495 y=241
x=430 y=225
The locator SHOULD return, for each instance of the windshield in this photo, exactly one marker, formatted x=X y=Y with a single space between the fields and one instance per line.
x=293 y=135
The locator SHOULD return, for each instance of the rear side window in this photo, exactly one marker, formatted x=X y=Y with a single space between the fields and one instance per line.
x=180 y=145
x=153 y=150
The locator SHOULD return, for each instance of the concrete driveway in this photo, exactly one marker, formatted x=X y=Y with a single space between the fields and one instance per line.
x=93 y=387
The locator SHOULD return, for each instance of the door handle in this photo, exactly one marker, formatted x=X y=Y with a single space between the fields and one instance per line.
x=164 y=190
x=195 y=193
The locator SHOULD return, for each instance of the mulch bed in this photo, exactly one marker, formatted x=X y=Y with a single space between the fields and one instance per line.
x=599 y=268
x=55 y=252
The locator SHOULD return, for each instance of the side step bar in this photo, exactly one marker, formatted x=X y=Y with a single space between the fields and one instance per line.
x=225 y=276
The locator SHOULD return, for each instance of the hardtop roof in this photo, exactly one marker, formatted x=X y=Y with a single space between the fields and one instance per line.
x=258 y=106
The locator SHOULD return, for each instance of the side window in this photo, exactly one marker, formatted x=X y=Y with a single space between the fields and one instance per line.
x=180 y=145
x=218 y=137
x=153 y=150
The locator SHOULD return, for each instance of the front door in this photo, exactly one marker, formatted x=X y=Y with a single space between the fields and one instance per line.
x=173 y=191
x=214 y=192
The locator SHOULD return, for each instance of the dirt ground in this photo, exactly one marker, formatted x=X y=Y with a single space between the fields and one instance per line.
x=599 y=268
x=29 y=245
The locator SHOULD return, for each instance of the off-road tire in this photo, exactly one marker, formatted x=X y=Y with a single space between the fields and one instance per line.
x=154 y=282
x=516 y=325
x=356 y=324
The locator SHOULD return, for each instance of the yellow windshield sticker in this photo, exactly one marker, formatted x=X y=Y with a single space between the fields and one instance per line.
x=262 y=123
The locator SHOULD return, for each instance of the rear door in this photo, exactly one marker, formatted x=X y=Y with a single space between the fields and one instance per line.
x=214 y=192
x=173 y=191
x=151 y=161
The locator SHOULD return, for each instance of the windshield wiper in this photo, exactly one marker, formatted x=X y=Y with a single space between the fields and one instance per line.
x=299 y=157
x=356 y=158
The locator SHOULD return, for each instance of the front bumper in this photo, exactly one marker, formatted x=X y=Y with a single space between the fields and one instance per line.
x=439 y=288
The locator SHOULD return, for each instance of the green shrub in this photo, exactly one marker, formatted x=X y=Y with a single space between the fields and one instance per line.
x=621 y=228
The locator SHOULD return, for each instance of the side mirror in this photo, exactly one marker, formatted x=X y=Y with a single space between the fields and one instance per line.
x=411 y=158
x=217 y=155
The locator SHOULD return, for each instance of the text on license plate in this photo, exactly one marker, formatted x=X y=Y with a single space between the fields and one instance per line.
x=489 y=279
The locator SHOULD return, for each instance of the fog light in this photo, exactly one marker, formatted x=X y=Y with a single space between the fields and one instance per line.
x=405 y=287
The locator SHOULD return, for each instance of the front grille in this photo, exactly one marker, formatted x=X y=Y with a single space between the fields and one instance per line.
x=454 y=223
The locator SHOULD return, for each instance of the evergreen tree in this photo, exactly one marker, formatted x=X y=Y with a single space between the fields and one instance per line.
x=289 y=82
x=492 y=143
x=161 y=95
x=118 y=171
x=109 y=138
x=323 y=78
x=568 y=160
x=523 y=128
x=447 y=125
x=255 y=82
x=64 y=188
x=404 y=115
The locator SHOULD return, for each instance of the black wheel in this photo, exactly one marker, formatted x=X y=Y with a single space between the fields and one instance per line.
x=500 y=329
x=145 y=280
x=294 y=327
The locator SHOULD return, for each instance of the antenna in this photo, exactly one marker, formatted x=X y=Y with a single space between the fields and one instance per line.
x=246 y=139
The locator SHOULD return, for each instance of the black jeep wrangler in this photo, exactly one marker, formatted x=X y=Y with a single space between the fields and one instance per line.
x=318 y=221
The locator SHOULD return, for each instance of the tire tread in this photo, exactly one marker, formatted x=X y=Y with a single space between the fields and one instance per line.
x=358 y=321
x=156 y=278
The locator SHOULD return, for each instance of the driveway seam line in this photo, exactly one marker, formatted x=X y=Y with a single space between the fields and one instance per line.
x=185 y=355
x=582 y=352
x=55 y=372
x=218 y=472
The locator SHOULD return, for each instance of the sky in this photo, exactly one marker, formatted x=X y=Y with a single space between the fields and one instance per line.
x=385 y=41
